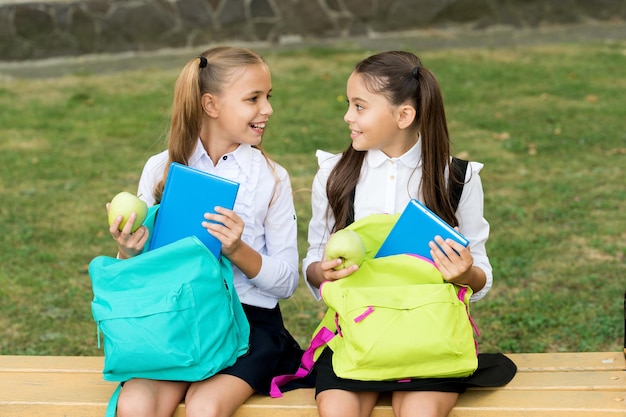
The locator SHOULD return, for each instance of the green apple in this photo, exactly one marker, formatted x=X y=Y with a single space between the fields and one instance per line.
x=124 y=204
x=347 y=245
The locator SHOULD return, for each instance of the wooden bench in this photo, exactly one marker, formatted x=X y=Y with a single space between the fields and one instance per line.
x=547 y=384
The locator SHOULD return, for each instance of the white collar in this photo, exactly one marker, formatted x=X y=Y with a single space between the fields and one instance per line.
x=411 y=158
x=243 y=155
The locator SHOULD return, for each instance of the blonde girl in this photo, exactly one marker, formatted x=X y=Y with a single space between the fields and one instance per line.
x=220 y=111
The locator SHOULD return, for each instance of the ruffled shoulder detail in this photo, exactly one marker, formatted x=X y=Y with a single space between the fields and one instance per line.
x=245 y=205
x=473 y=169
x=327 y=160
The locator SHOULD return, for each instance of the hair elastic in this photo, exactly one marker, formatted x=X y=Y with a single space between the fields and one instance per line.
x=203 y=61
x=416 y=72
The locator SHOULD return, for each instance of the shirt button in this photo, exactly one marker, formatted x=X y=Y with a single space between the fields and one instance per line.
x=225 y=157
x=392 y=177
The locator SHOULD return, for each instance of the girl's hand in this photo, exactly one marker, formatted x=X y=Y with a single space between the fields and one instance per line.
x=453 y=259
x=227 y=230
x=328 y=272
x=129 y=244
x=321 y=271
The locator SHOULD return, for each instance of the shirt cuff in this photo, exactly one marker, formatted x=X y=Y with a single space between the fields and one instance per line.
x=314 y=291
x=266 y=278
x=483 y=291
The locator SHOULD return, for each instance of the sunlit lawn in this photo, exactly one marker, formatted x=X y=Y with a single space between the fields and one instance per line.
x=547 y=122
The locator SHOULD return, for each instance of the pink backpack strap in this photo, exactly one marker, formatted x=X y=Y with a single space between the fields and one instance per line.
x=462 y=293
x=321 y=338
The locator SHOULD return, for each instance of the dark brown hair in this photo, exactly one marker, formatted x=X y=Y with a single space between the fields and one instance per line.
x=394 y=75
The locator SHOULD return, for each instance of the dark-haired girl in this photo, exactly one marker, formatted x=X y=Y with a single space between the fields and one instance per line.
x=399 y=150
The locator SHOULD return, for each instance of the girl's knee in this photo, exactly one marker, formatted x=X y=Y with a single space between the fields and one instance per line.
x=423 y=404
x=132 y=405
x=201 y=409
x=330 y=409
x=142 y=397
x=339 y=403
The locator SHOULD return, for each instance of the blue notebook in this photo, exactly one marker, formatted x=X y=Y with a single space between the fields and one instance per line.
x=415 y=227
x=188 y=194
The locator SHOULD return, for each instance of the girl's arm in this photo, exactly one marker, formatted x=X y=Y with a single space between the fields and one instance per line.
x=456 y=264
x=471 y=266
x=228 y=231
x=321 y=271
x=131 y=244
x=318 y=233
x=269 y=256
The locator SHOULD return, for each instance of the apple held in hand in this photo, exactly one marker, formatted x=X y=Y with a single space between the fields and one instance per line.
x=345 y=244
x=124 y=204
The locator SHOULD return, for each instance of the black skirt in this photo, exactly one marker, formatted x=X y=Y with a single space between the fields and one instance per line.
x=273 y=351
x=494 y=369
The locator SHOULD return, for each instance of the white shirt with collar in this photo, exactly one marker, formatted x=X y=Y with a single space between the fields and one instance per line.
x=385 y=186
x=265 y=203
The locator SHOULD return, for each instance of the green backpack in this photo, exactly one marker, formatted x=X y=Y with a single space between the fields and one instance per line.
x=168 y=314
x=395 y=318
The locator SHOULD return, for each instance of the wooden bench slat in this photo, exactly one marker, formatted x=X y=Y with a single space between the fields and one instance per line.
x=51 y=386
x=568 y=361
x=576 y=361
x=572 y=381
x=53 y=410
x=12 y=363
x=470 y=404
x=589 y=384
x=570 y=401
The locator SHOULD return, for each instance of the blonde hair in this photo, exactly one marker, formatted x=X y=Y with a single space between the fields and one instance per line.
x=207 y=73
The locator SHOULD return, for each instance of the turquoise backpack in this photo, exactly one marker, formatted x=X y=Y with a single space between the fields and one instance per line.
x=168 y=314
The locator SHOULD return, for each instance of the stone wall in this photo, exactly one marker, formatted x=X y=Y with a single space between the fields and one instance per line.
x=53 y=28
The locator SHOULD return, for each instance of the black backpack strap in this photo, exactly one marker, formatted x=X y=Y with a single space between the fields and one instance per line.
x=350 y=219
x=458 y=167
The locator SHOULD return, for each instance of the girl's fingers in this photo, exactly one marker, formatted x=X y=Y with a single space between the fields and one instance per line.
x=128 y=227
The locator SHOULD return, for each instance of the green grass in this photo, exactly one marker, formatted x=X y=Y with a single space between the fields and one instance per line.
x=546 y=121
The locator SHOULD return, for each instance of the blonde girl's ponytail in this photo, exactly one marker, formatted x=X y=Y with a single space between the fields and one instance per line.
x=186 y=112
x=186 y=118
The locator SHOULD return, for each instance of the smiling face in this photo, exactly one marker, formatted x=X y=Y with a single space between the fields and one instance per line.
x=239 y=113
x=374 y=122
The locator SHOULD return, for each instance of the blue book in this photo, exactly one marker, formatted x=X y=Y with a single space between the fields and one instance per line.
x=415 y=227
x=188 y=194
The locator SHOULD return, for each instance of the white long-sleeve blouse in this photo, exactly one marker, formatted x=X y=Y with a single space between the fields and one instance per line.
x=265 y=203
x=385 y=186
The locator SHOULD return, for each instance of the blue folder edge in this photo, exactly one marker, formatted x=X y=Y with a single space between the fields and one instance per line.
x=187 y=195
x=414 y=229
